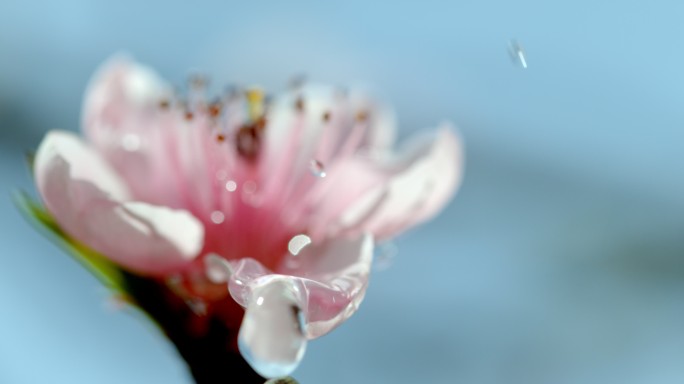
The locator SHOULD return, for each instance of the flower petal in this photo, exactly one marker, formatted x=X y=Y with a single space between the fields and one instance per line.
x=85 y=196
x=123 y=120
x=419 y=185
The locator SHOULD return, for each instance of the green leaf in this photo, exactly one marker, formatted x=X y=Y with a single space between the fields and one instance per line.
x=106 y=271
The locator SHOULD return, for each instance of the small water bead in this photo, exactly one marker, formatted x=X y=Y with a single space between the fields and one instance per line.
x=317 y=168
x=297 y=243
x=218 y=269
x=271 y=337
x=231 y=186
x=517 y=53
x=130 y=142
x=217 y=217
x=197 y=306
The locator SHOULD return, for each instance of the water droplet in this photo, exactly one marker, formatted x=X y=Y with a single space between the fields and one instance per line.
x=385 y=254
x=217 y=217
x=517 y=53
x=317 y=168
x=130 y=142
x=231 y=186
x=297 y=243
x=217 y=268
x=199 y=307
x=271 y=337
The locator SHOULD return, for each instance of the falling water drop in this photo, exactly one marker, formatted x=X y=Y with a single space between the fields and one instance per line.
x=517 y=53
x=317 y=168
x=217 y=268
x=271 y=337
x=385 y=254
x=297 y=243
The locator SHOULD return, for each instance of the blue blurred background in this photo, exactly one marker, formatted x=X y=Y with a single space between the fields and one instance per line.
x=561 y=260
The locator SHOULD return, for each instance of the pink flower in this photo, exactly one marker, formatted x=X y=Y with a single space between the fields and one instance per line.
x=279 y=201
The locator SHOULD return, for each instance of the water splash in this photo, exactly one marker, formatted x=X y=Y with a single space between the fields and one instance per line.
x=271 y=337
x=317 y=168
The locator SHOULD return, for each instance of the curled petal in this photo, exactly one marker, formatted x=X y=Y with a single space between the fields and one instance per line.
x=418 y=185
x=86 y=198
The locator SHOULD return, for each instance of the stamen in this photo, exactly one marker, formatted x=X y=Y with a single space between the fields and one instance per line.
x=255 y=101
x=248 y=138
x=214 y=109
x=326 y=116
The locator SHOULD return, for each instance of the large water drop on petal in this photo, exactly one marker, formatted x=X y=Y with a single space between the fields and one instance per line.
x=271 y=337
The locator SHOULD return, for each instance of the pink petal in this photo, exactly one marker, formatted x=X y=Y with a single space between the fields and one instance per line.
x=419 y=185
x=326 y=129
x=85 y=196
x=326 y=282
x=123 y=120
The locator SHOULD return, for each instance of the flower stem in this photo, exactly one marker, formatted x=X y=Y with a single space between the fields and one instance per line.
x=207 y=343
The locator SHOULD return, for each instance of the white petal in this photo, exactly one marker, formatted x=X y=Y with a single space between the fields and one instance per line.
x=85 y=196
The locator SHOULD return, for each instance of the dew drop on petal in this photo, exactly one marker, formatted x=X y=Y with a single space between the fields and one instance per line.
x=231 y=186
x=385 y=255
x=130 y=142
x=271 y=337
x=217 y=268
x=217 y=217
x=317 y=169
x=297 y=243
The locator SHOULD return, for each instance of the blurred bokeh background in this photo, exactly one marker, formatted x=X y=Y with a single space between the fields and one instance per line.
x=561 y=260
